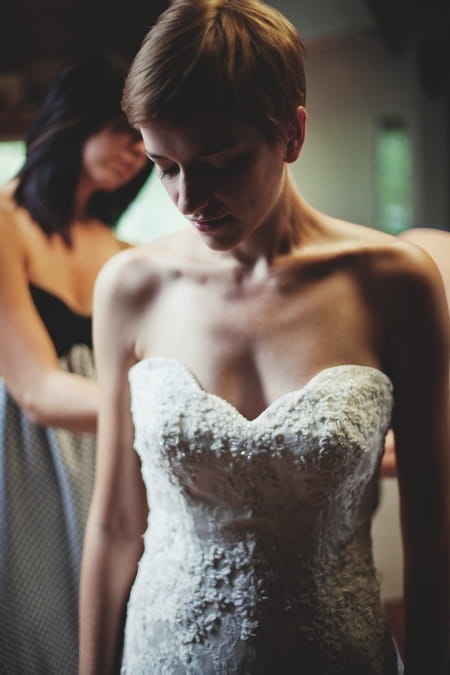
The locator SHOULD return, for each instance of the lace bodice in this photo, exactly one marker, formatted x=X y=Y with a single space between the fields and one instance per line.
x=257 y=553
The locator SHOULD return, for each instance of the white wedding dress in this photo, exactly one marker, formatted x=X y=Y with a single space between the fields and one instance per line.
x=258 y=556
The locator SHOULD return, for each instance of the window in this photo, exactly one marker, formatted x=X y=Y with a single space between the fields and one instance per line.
x=393 y=175
x=12 y=154
x=150 y=215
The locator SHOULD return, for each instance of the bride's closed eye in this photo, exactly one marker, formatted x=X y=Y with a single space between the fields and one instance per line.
x=169 y=172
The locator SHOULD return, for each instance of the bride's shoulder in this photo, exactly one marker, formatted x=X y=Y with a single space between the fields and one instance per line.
x=135 y=275
x=381 y=254
x=138 y=264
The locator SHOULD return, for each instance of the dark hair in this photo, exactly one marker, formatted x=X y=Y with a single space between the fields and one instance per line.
x=83 y=99
x=239 y=57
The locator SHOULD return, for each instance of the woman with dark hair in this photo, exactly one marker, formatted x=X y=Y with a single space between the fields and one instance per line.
x=84 y=164
x=255 y=361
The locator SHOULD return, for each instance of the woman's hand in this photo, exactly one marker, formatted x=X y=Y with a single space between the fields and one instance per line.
x=389 y=462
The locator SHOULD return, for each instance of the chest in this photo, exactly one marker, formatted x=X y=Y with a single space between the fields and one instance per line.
x=279 y=334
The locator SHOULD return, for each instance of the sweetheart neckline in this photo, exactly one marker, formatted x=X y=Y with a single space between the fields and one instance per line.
x=272 y=404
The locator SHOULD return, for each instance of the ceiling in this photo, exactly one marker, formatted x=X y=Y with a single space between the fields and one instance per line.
x=36 y=36
x=33 y=30
x=319 y=19
x=40 y=30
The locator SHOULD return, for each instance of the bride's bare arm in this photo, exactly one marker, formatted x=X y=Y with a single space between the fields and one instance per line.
x=117 y=518
x=417 y=337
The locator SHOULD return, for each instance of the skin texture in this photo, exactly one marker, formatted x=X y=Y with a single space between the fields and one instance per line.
x=437 y=244
x=260 y=294
x=28 y=361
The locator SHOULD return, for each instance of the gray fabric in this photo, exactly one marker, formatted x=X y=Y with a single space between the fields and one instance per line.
x=46 y=480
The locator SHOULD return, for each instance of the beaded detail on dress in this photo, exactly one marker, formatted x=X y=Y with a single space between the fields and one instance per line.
x=258 y=553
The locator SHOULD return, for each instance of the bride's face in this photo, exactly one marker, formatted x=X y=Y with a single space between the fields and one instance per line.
x=222 y=174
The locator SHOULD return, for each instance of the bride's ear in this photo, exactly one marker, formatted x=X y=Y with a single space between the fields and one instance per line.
x=296 y=135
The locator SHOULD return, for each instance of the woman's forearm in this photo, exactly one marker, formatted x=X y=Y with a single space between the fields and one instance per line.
x=61 y=399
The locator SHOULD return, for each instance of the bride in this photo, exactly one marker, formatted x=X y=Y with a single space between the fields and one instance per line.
x=256 y=360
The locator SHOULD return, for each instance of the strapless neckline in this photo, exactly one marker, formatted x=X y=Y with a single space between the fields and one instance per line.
x=257 y=555
x=344 y=368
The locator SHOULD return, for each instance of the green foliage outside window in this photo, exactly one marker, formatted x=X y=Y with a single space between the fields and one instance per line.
x=394 y=179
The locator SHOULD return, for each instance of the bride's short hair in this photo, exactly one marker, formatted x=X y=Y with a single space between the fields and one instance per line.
x=241 y=58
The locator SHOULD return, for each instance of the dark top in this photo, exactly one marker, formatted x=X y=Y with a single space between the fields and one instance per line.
x=66 y=327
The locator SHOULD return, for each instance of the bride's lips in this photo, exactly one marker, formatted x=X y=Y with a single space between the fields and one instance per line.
x=209 y=224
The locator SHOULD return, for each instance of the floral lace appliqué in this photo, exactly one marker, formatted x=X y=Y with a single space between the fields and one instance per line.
x=258 y=553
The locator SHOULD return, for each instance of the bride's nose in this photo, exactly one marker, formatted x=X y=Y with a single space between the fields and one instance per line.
x=193 y=192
